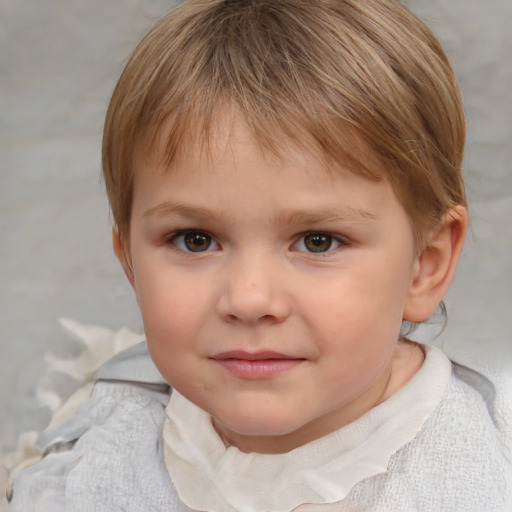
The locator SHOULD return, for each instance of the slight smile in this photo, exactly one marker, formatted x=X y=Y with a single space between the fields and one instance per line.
x=257 y=365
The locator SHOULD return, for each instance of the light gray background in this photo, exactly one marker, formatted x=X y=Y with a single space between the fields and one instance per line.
x=59 y=60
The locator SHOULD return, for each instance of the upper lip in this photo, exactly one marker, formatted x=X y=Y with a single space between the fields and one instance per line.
x=253 y=356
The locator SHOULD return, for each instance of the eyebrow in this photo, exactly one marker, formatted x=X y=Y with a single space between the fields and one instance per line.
x=169 y=208
x=315 y=216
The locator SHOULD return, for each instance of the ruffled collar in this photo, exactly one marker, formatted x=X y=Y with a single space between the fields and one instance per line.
x=212 y=478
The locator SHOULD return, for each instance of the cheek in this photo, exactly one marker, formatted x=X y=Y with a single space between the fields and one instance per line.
x=360 y=300
x=172 y=311
x=356 y=319
x=169 y=317
x=171 y=331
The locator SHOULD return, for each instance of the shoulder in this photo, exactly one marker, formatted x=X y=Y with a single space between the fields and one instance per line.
x=108 y=455
x=462 y=436
x=457 y=461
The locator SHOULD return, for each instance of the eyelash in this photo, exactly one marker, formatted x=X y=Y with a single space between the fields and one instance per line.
x=322 y=237
x=174 y=237
x=331 y=239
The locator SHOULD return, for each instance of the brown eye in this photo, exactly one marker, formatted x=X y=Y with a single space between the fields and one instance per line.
x=197 y=242
x=318 y=242
x=194 y=241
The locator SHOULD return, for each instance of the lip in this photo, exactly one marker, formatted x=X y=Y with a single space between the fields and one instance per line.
x=256 y=365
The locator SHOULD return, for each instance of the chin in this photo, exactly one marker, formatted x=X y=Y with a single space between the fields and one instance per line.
x=268 y=424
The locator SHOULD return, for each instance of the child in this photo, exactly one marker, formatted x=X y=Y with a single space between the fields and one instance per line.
x=285 y=181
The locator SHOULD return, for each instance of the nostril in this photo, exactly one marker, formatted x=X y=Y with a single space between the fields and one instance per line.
x=251 y=294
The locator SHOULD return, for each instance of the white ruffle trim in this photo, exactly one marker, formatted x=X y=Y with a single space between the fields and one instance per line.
x=212 y=478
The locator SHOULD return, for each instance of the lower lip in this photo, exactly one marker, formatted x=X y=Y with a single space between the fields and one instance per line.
x=258 y=369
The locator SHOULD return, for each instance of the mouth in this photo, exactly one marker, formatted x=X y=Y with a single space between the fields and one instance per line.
x=256 y=365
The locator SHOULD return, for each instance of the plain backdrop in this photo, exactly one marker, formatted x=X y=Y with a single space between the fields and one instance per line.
x=59 y=60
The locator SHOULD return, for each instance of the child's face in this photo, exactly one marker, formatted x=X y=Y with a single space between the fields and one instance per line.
x=272 y=292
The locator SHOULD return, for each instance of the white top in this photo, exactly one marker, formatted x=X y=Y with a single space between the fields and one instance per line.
x=109 y=455
x=210 y=477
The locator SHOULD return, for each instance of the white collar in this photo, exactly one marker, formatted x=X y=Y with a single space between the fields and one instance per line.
x=212 y=478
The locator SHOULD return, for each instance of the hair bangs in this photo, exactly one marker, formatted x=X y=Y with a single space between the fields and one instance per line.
x=361 y=83
x=251 y=63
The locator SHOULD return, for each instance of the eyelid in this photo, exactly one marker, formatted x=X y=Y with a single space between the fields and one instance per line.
x=172 y=237
x=337 y=242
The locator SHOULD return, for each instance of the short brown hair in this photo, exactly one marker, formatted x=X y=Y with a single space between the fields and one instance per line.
x=334 y=75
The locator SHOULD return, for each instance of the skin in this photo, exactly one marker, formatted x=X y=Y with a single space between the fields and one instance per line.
x=332 y=314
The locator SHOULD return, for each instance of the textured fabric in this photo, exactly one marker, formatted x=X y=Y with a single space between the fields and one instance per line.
x=116 y=464
x=209 y=476
x=109 y=457
x=456 y=463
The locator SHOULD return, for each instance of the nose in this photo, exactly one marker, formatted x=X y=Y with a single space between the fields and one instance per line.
x=253 y=292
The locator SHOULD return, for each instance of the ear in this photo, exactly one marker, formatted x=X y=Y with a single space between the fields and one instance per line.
x=122 y=253
x=436 y=266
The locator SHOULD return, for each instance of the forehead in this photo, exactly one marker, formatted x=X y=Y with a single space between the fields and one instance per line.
x=207 y=140
x=235 y=164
